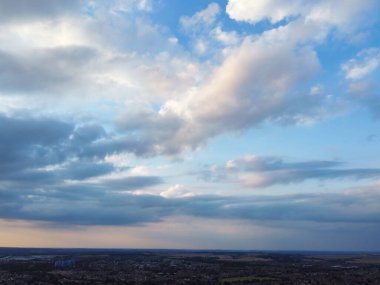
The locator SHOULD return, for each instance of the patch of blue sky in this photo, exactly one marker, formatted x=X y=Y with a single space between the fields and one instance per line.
x=330 y=139
x=169 y=13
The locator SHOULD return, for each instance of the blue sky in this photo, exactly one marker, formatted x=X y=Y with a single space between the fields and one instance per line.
x=229 y=124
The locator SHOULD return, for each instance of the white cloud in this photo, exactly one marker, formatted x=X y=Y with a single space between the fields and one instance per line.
x=254 y=84
x=120 y=160
x=201 y=47
x=145 y=5
x=256 y=80
x=20 y=37
x=345 y=16
x=205 y=17
x=227 y=38
x=176 y=191
x=256 y=11
x=165 y=96
x=208 y=39
x=90 y=60
x=366 y=62
x=340 y=14
x=307 y=21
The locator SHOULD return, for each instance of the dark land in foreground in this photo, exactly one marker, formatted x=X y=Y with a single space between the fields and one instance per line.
x=93 y=266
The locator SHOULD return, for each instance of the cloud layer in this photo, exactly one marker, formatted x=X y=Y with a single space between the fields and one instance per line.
x=88 y=205
x=110 y=110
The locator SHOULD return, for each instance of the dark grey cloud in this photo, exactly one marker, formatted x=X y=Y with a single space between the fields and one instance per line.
x=254 y=163
x=296 y=176
x=31 y=142
x=79 y=209
x=38 y=152
x=46 y=165
x=24 y=10
x=85 y=169
x=117 y=144
x=132 y=182
x=25 y=131
x=44 y=69
x=53 y=171
x=93 y=206
x=252 y=171
x=295 y=207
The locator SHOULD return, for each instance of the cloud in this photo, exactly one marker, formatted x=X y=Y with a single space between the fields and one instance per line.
x=344 y=16
x=206 y=17
x=307 y=22
x=55 y=178
x=58 y=173
x=296 y=207
x=208 y=38
x=90 y=209
x=145 y=5
x=38 y=152
x=230 y=38
x=30 y=73
x=95 y=94
x=176 y=191
x=92 y=206
x=260 y=172
x=89 y=59
x=82 y=71
x=130 y=182
x=81 y=170
x=258 y=80
x=51 y=170
x=254 y=84
x=25 y=142
x=256 y=11
x=23 y=11
x=326 y=12
x=261 y=79
x=165 y=100
x=366 y=62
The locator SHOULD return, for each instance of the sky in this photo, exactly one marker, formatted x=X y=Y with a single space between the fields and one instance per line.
x=230 y=124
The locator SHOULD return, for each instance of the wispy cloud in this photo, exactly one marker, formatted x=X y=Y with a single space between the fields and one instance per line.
x=366 y=62
x=259 y=172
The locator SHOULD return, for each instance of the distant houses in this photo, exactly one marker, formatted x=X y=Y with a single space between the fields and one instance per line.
x=64 y=263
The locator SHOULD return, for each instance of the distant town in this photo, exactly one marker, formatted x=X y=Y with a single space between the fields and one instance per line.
x=98 y=266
